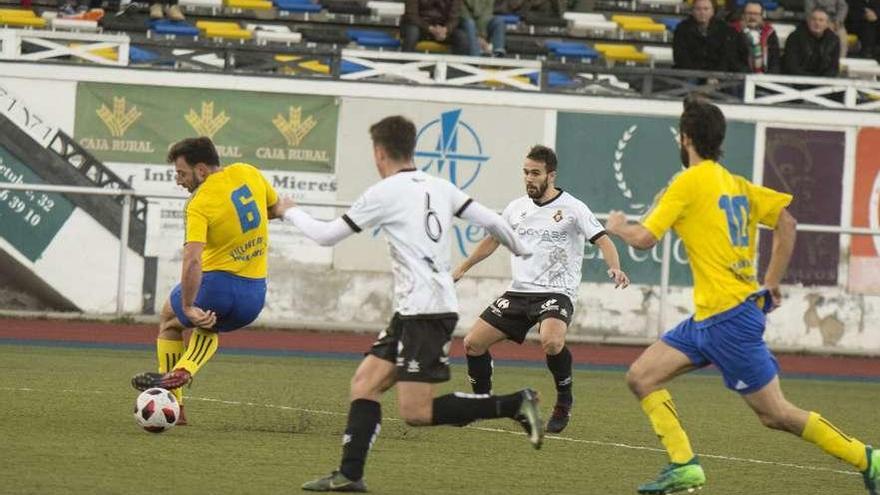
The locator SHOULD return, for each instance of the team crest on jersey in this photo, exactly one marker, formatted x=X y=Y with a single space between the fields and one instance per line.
x=558 y=216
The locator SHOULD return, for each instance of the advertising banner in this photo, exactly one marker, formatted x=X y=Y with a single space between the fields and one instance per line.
x=29 y=220
x=137 y=124
x=864 y=261
x=620 y=163
x=809 y=165
x=480 y=149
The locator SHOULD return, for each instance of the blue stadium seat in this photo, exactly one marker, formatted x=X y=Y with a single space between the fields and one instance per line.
x=173 y=27
x=139 y=55
x=509 y=18
x=378 y=41
x=555 y=79
x=347 y=67
x=670 y=22
x=571 y=49
x=297 y=5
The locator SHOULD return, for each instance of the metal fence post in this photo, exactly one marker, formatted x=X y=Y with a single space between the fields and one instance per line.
x=123 y=253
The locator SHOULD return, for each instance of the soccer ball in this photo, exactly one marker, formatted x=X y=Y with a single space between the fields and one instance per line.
x=156 y=410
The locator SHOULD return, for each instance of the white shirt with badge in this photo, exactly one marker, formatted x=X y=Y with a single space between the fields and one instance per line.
x=555 y=232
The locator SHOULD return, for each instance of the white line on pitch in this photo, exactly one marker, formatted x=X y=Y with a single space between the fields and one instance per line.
x=480 y=428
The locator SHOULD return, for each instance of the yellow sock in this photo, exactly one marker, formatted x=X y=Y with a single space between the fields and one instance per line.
x=169 y=352
x=824 y=434
x=661 y=411
x=202 y=346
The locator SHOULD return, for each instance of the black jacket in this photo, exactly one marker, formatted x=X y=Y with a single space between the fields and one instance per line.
x=716 y=51
x=806 y=55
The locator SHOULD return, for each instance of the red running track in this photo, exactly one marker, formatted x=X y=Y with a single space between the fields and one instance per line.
x=346 y=343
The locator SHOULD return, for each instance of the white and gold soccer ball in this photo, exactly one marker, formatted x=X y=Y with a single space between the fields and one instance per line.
x=156 y=410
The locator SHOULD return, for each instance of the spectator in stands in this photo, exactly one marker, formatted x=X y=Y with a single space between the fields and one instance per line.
x=813 y=49
x=161 y=8
x=837 y=11
x=436 y=20
x=547 y=12
x=81 y=9
x=758 y=44
x=862 y=20
x=486 y=33
x=703 y=42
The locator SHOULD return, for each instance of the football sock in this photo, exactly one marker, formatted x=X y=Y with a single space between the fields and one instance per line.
x=169 y=352
x=364 y=424
x=824 y=434
x=560 y=366
x=664 y=418
x=460 y=409
x=202 y=346
x=480 y=373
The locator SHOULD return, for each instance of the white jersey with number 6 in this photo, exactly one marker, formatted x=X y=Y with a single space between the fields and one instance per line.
x=415 y=212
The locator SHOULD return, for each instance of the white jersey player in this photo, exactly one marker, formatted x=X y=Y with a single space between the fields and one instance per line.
x=554 y=226
x=415 y=212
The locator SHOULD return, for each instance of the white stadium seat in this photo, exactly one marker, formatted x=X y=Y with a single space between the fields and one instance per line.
x=386 y=9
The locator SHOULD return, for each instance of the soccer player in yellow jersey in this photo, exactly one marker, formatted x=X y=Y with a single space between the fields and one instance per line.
x=716 y=215
x=223 y=280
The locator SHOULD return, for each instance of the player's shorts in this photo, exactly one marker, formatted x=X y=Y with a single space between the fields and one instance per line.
x=514 y=313
x=733 y=341
x=237 y=301
x=418 y=345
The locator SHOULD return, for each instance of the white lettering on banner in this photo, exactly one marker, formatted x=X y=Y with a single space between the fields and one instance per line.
x=679 y=254
x=25 y=119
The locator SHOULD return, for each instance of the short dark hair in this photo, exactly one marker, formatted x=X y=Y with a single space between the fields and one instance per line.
x=195 y=150
x=396 y=135
x=704 y=124
x=753 y=2
x=821 y=9
x=541 y=153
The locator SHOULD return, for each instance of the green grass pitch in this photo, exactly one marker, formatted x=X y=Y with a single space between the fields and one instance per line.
x=264 y=425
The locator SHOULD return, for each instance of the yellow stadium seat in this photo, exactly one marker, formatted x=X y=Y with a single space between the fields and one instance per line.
x=621 y=53
x=286 y=58
x=24 y=21
x=204 y=25
x=316 y=66
x=431 y=47
x=642 y=27
x=229 y=34
x=109 y=52
x=623 y=19
x=17 y=13
x=851 y=40
x=250 y=4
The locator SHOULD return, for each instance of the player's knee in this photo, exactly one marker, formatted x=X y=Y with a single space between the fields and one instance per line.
x=553 y=345
x=772 y=420
x=636 y=381
x=414 y=414
x=362 y=387
x=473 y=348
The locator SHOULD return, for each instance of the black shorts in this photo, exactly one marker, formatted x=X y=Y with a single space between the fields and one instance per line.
x=514 y=313
x=418 y=345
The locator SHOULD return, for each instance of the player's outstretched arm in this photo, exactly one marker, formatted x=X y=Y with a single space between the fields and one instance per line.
x=322 y=232
x=634 y=234
x=612 y=259
x=783 y=245
x=500 y=230
x=483 y=250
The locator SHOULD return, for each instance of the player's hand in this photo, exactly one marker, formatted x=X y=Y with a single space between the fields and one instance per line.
x=284 y=203
x=616 y=220
x=775 y=297
x=200 y=317
x=621 y=280
x=457 y=274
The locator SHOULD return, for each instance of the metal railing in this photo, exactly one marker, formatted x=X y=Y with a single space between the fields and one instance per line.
x=128 y=195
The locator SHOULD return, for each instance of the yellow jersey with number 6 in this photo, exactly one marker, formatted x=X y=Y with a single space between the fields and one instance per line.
x=229 y=212
x=716 y=214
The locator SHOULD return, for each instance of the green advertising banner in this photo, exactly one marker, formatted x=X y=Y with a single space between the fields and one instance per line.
x=29 y=220
x=620 y=163
x=137 y=124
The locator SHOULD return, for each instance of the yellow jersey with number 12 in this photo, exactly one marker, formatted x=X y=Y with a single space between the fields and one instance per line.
x=229 y=212
x=716 y=214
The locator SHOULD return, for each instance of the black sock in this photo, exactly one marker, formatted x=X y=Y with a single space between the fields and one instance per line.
x=480 y=373
x=460 y=409
x=560 y=367
x=364 y=423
